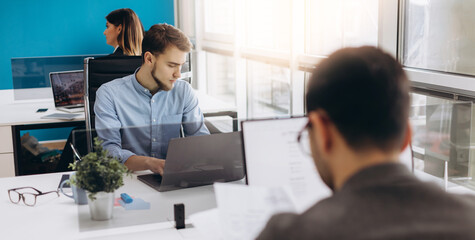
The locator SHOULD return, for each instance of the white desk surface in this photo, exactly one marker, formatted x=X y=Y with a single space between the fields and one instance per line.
x=24 y=111
x=60 y=218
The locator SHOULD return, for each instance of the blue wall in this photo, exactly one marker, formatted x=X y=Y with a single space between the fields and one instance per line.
x=49 y=134
x=57 y=27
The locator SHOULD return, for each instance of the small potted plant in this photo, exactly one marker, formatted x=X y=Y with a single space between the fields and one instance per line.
x=100 y=175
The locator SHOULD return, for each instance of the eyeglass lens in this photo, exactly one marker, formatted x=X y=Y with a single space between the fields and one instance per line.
x=14 y=196
x=29 y=199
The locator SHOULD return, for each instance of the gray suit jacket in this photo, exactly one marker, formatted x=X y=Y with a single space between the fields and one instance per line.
x=381 y=202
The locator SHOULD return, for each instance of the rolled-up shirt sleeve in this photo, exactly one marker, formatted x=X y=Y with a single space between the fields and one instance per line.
x=108 y=125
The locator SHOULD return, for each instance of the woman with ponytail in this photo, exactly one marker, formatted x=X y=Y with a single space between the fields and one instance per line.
x=124 y=31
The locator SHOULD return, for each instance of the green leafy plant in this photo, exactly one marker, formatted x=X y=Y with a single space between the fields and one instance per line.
x=98 y=172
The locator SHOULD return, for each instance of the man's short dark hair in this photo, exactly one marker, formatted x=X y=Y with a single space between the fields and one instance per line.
x=160 y=36
x=365 y=93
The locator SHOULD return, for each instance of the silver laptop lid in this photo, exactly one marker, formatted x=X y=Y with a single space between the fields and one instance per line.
x=200 y=160
x=68 y=88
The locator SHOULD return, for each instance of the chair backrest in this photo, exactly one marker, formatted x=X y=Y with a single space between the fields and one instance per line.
x=98 y=71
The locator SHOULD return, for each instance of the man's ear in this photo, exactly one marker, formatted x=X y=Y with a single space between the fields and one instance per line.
x=148 y=58
x=407 y=137
x=320 y=130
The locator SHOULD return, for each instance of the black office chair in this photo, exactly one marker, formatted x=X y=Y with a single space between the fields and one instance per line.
x=98 y=71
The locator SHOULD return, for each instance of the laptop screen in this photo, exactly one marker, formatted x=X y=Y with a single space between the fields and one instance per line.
x=68 y=88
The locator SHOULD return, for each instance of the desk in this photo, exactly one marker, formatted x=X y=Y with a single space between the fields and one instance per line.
x=21 y=115
x=60 y=218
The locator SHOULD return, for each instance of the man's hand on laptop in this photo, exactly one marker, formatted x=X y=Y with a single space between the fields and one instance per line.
x=156 y=165
x=139 y=163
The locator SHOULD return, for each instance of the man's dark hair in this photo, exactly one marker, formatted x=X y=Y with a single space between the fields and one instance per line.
x=365 y=93
x=160 y=36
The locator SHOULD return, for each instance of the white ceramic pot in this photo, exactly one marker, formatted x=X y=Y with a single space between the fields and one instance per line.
x=102 y=207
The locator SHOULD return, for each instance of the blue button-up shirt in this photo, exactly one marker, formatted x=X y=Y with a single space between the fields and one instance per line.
x=132 y=121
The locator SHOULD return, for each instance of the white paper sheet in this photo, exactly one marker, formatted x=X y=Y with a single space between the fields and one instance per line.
x=243 y=211
x=207 y=223
x=274 y=158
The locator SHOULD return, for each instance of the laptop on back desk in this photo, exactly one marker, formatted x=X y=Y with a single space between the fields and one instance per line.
x=68 y=90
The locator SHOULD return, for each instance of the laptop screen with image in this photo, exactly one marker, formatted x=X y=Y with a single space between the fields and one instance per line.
x=68 y=88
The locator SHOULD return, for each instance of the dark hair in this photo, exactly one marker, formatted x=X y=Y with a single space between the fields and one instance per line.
x=365 y=93
x=160 y=36
x=130 y=38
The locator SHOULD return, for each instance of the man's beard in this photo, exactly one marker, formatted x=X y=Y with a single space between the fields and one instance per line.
x=157 y=81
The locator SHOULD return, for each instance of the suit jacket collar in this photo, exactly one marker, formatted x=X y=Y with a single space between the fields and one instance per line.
x=378 y=175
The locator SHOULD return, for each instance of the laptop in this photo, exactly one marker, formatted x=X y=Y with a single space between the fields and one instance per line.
x=68 y=90
x=199 y=160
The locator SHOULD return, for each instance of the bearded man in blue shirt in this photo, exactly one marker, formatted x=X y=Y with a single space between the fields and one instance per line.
x=137 y=115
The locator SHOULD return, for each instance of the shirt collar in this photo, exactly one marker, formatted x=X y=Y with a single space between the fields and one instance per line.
x=139 y=88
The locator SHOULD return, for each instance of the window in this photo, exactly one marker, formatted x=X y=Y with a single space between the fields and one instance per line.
x=436 y=44
x=254 y=54
x=436 y=52
x=221 y=77
x=218 y=19
x=269 y=94
x=441 y=138
x=341 y=23
x=268 y=24
x=438 y=35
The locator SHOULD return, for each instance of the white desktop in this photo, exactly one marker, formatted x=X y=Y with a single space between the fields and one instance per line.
x=61 y=218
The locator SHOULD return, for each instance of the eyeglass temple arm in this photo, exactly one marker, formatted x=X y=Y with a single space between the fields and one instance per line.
x=14 y=189
x=43 y=193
